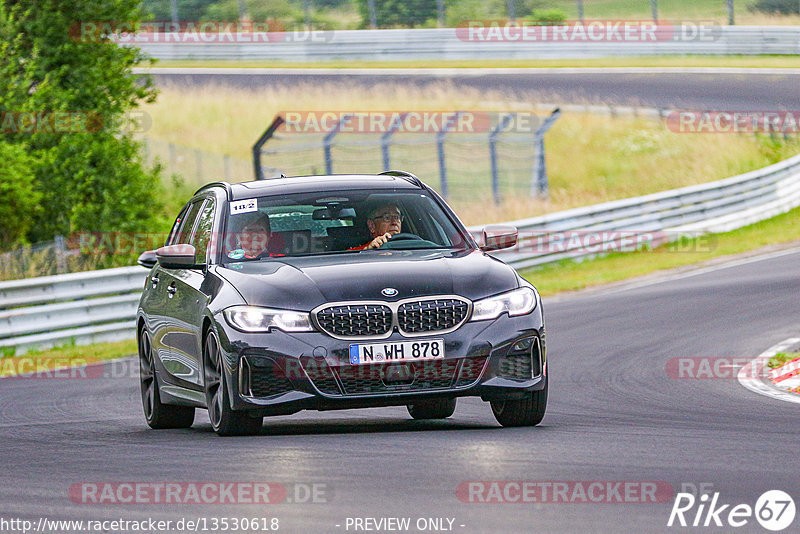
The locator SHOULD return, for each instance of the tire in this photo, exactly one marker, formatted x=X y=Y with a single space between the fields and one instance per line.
x=527 y=411
x=158 y=414
x=224 y=420
x=432 y=409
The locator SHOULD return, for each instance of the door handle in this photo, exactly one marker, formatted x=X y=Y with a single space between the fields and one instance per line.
x=171 y=289
x=154 y=279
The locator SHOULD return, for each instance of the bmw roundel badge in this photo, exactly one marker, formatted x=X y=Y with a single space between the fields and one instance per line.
x=389 y=292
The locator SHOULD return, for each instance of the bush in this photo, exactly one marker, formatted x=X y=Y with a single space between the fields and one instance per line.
x=549 y=17
x=782 y=7
x=19 y=202
x=394 y=13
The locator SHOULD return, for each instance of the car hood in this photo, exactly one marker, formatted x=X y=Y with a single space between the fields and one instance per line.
x=303 y=283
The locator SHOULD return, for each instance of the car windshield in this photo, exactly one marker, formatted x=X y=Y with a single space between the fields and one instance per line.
x=305 y=224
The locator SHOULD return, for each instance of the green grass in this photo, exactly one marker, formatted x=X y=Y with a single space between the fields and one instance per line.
x=781 y=359
x=568 y=275
x=767 y=61
x=64 y=357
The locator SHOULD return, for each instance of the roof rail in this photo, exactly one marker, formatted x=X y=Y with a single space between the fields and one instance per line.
x=226 y=185
x=403 y=174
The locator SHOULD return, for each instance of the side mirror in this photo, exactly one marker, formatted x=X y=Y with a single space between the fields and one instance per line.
x=177 y=257
x=147 y=259
x=499 y=237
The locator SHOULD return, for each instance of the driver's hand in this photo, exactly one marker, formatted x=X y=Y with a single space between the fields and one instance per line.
x=378 y=241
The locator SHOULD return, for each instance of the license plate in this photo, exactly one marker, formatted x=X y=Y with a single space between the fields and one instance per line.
x=398 y=351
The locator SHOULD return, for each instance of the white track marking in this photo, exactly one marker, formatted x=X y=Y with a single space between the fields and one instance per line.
x=748 y=375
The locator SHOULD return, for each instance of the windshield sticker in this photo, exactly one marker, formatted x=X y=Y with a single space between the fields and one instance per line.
x=237 y=254
x=244 y=206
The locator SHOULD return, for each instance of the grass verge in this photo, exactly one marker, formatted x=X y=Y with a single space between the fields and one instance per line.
x=39 y=362
x=782 y=358
x=568 y=275
x=751 y=62
x=590 y=158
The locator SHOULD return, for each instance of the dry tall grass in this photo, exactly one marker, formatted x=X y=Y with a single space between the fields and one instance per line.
x=590 y=158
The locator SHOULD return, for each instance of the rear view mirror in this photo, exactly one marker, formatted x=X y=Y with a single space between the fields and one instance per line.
x=499 y=237
x=177 y=257
x=333 y=213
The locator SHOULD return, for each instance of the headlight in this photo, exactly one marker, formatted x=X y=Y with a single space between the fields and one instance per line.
x=517 y=302
x=254 y=319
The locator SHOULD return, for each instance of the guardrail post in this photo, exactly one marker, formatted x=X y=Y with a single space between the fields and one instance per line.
x=327 y=142
x=493 y=155
x=539 y=185
x=385 y=141
x=440 y=150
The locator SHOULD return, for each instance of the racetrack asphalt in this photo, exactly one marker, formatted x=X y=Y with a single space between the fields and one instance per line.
x=737 y=90
x=615 y=414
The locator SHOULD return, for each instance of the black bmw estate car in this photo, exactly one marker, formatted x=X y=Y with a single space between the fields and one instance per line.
x=334 y=292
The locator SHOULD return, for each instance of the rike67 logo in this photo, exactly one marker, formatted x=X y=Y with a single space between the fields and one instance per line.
x=774 y=510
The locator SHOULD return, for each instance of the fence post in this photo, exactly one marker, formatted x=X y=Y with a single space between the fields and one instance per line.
x=61 y=254
x=493 y=155
x=327 y=142
x=268 y=133
x=198 y=160
x=173 y=158
x=385 y=141
x=654 y=9
x=440 y=150
x=539 y=185
x=731 y=18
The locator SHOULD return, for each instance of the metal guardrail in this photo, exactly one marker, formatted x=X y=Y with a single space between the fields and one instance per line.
x=101 y=305
x=714 y=207
x=85 y=308
x=450 y=43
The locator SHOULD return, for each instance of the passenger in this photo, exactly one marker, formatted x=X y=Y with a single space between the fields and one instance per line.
x=383 y=222
x=254 y=238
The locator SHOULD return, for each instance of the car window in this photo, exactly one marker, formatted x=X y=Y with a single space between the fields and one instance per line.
x=202 y=234
x=322 y=223
x=173 y=234
x=184 y=235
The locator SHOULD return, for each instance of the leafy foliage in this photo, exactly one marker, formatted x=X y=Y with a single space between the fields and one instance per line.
x=19 y=201
x=393 y=13
x=89 y=178
x=782 y=7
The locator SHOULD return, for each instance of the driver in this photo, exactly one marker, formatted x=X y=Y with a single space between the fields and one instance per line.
x=383 y=222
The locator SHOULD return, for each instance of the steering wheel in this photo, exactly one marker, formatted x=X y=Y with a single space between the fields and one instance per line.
x=402 y=236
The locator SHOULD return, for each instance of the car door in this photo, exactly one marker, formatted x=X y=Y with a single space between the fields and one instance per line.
x=181 y=358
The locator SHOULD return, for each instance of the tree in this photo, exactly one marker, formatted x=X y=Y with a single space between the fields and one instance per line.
x=89 y=177
x=405 y=13
x=19 y=201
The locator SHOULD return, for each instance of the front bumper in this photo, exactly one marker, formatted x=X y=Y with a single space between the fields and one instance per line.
x=277 y=373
